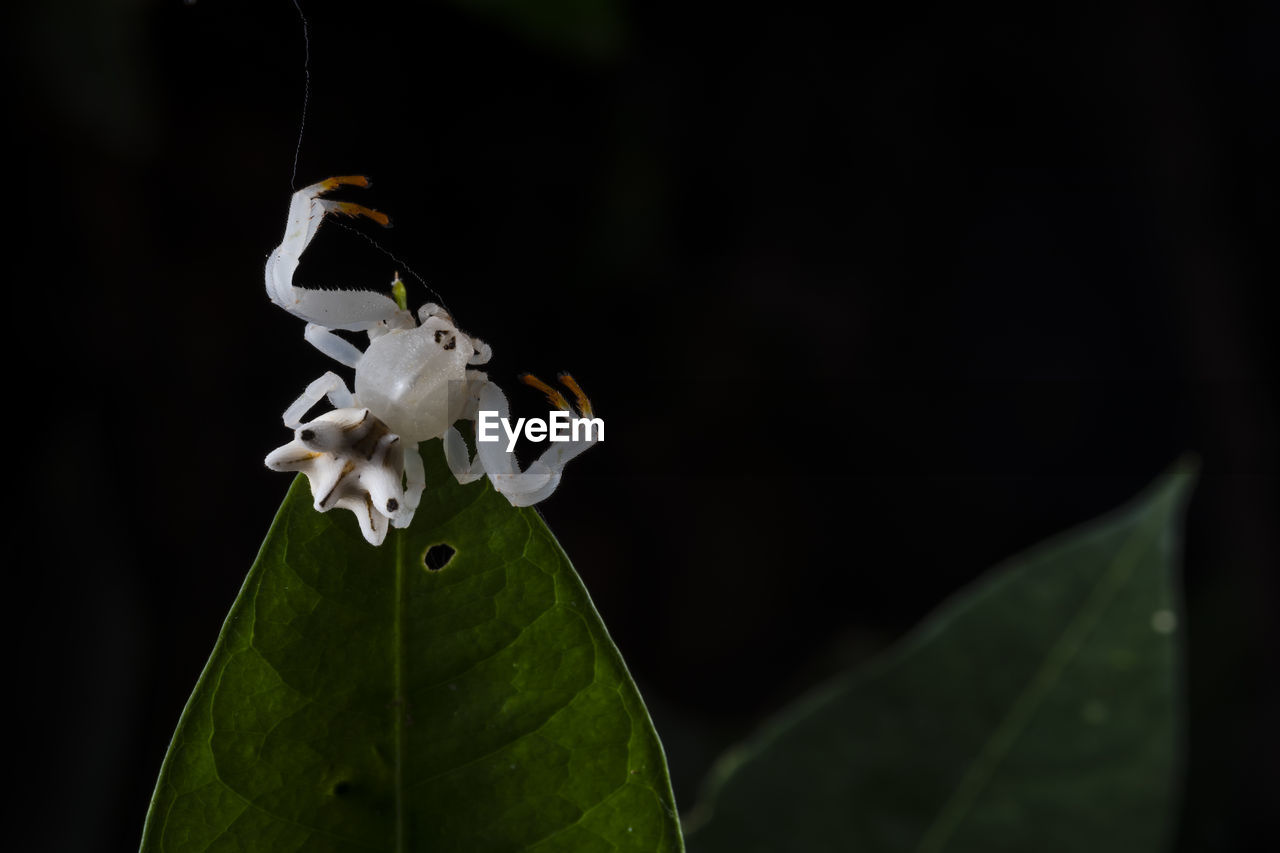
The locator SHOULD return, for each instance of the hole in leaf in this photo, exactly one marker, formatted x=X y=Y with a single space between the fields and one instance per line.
x=340 y=788
x=437 y=557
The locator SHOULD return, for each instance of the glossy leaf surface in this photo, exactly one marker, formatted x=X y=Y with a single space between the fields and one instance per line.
x=1037 y=710
x=358 y=699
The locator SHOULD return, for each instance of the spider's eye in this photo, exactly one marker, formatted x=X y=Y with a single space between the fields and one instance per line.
x=446 y=339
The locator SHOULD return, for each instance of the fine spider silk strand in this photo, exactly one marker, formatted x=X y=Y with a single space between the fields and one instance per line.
x=306 y=91
x=297 y=155
x=400 y=263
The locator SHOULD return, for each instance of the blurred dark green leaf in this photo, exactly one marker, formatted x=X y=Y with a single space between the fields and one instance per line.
x=1038 y=710
x=357 y=700
x=588 y=28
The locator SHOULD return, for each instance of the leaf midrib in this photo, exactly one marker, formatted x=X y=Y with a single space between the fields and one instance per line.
x=398 y=699
x=1055 y=661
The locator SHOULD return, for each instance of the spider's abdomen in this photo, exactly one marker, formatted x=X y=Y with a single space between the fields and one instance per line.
x=413 y=380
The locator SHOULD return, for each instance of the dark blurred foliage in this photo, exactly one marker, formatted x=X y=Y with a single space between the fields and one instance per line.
x=869 y=302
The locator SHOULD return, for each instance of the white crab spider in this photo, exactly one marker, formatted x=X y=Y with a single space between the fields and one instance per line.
x=412 y=383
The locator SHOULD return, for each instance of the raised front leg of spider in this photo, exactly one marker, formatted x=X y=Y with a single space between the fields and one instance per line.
x=413 y=382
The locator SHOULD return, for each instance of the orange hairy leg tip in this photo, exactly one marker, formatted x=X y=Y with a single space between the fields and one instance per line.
x=553 y=396
x=352 y=180
x=350 y=208
x=569 y=382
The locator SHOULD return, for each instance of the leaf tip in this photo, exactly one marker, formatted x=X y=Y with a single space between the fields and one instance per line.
x=1174 y=486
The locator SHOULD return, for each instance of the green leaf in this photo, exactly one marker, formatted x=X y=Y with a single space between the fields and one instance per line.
x=358 y=700
x=1038 y=710
x=591 y=29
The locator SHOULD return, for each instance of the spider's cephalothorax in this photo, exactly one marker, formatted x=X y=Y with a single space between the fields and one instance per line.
x=413 y=382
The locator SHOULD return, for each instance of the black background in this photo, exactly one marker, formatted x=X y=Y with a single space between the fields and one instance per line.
x=868 y=301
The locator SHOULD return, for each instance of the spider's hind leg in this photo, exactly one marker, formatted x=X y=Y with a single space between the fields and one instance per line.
x=465 y=469
x=525 y=488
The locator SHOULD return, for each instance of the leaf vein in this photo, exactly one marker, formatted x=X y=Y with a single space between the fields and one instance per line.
x=1056 y=659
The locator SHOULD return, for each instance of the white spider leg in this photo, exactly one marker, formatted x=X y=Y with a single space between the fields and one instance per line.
x=543 y=476
x=430 y=309
x=415 y=476
x=551 y=466
x=339 y=349
x=482 y=352
x=475 y=384
x=493 y=455
x=332 y=309
x=465 y=469
x=330 y=385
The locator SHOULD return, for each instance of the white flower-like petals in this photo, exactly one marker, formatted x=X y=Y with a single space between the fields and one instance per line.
x=353 y=461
